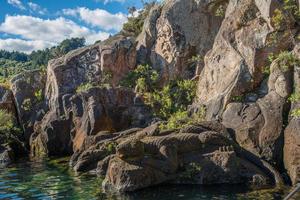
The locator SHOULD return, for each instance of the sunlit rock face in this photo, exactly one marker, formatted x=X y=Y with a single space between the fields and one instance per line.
x=234 y=66
x=292 y=133
x=176 y=31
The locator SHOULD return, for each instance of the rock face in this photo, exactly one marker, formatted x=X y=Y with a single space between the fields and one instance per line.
x=235 y=64
x=6 y=156
x=106 y=110
x=171 y=37
x=206 y=157
x=259 y=125
x=292 y=134
x=28 y=90
x=7 y=101
x=116 y=56
x=73 y=117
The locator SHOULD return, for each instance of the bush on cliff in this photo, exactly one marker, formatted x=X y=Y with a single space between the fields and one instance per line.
x=135 y=23
x=172 y=98
x=144 y=77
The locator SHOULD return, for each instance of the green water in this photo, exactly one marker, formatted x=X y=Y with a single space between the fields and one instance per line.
x=54 y=180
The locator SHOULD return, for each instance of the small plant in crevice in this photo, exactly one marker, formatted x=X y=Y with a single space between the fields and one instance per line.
x=39 y=95
x=84 y=87
x=27 y=104
x=238 y=98
x=287 y=60
x=295 y=97
x=296 y=113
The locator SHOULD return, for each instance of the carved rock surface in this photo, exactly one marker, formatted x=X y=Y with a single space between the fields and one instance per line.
x=28 y=90
x=235 y=64
x=175 y=32
x=292 y=132
x=109 y=110
x=183 y=158
x=115 y=56
x=259 y=125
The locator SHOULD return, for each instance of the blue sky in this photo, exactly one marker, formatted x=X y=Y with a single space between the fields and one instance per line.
x=27 y=25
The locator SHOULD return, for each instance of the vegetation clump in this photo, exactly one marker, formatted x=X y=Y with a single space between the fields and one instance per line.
x=12 y=63
x=135 y=23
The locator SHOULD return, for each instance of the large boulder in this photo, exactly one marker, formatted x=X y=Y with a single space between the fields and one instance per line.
x=176 y=31
x=240 y=53
x=28 y=91
x=207 y=157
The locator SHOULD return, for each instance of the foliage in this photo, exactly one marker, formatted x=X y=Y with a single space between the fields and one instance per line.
x=144 y=77
x=296 y=113
x=12 y=63
x=220 y=12
x=191 y=171
x=134 y=25
x=8 y=128
x=292 y=7
x=15 y=55
x=287 y=60
x=277 y=19
x=84 y=87
x=182 y=118
x=238 y=98
x=104 y=83
x=111 y=147
x=172 y=98
x=27 y=104
x=295 y=97
x=39 y=95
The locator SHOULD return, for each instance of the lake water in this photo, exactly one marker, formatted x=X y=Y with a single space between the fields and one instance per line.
x=54 y=180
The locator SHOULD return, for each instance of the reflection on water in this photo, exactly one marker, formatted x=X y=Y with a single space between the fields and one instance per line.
x=54 y=180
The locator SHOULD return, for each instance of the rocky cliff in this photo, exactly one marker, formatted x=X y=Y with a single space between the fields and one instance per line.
x=248 y=84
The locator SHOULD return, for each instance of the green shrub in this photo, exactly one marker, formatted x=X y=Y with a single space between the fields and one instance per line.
x=144 y=76
x=292 y=7
x=181 y=119
x=239 y=98
x=39 y=96
x=287 y=60
x=172 y=98
x=27 y=104
x=295 y=97
x=84 y=87
x=134 y=25
x=277 y=19
x=296 y=113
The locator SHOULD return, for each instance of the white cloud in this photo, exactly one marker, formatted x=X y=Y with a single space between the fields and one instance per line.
x=37 y=33
x=36 y=8
x=99 y=18
x=108 y=1
x=23 y=45
x=16 y=3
